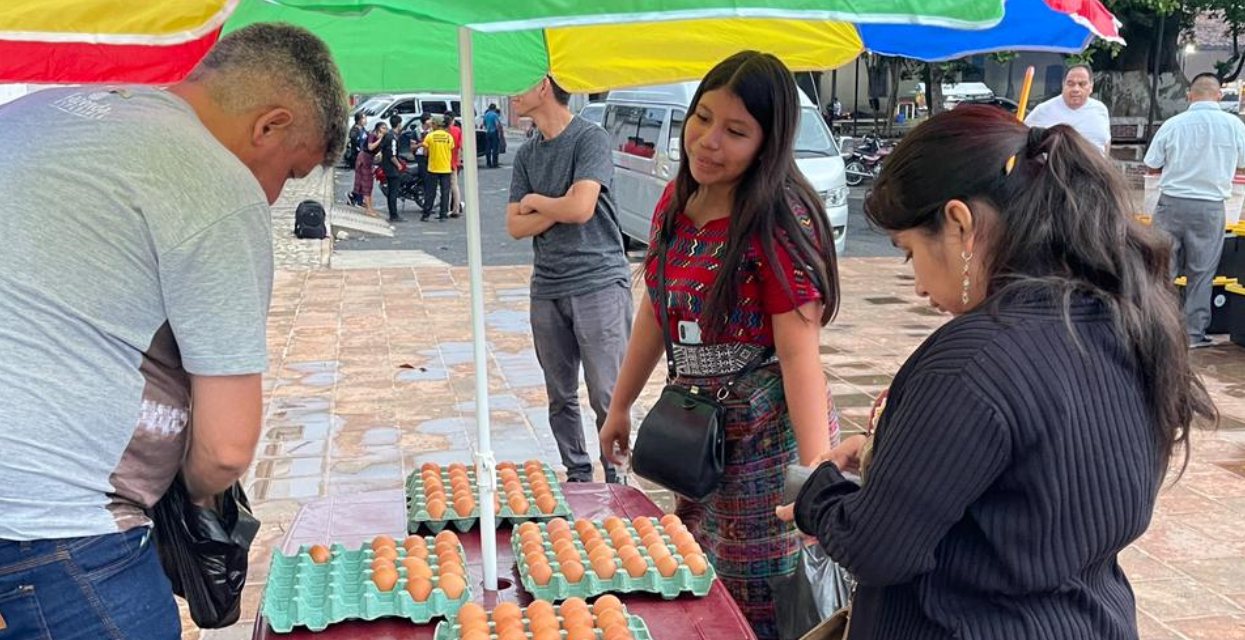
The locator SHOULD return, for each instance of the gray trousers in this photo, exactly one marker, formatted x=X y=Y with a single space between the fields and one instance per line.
x=1196 y=228
x=591 y=329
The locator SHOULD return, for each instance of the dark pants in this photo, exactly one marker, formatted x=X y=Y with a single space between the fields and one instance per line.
x=108 y=586
x=592 y=328
x=433 y=183
x=420 y=168
x=492 y=149
x=393 y=189
x=1196 y=228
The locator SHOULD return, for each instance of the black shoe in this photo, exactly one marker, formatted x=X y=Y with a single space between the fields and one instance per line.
x=397 y=219
x=442 y=218
x=423 y=218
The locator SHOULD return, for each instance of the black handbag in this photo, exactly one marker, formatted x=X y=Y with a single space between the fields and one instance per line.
x=682 y=441
x=204 y=551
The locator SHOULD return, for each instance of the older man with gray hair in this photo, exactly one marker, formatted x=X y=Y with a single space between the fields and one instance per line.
x=134 y=290
x=1197 y=153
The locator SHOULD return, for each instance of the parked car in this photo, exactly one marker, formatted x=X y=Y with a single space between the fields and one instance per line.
x=645 y=124
x=593 y=112
x=410 y=106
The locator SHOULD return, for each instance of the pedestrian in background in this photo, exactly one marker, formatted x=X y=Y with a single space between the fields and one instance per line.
x=440 y=147
x=1075 y=108
x=1197 y=152
x=581 y=295
x=750 y=279
x=389 y=164
x=133 y=312
x=365 y=166
x=493 y=133
x=456 y=132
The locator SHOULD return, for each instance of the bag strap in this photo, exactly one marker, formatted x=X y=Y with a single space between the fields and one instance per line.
x=671 y=370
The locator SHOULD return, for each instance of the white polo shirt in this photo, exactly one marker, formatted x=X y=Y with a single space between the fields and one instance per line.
x=1092 y=120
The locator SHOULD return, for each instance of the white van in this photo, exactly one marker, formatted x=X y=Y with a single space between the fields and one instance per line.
x=645 y=124
x=407 y=105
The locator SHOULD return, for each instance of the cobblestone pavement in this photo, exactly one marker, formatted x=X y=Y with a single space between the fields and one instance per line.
x=371 y=376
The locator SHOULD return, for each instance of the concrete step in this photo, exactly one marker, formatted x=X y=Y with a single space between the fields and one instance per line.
x=355 y=219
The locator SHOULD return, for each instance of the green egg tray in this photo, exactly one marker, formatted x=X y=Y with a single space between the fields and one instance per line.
x=301 y=593
x=559 y=588
x=451 y=630
x=418 y=517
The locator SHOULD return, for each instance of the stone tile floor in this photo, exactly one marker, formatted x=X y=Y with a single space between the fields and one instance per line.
x=371 y=376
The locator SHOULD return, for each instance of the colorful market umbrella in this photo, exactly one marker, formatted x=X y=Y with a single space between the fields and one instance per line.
x=90 y=41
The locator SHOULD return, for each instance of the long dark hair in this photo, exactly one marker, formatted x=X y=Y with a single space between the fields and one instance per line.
x=1063 y=227
x=763 y=199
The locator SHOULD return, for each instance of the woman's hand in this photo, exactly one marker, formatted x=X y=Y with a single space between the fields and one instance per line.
x=615 y=436
x=846 y=456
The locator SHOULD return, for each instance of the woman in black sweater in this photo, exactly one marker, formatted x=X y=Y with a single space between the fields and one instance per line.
x=1025 y=442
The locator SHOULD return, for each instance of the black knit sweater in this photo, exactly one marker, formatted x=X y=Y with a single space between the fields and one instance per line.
x=1011 y=466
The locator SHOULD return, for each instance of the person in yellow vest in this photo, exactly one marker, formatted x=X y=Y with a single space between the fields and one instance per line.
x=440 y=147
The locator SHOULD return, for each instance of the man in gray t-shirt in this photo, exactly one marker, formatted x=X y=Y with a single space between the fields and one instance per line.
x=581 y=299
x=134 y=290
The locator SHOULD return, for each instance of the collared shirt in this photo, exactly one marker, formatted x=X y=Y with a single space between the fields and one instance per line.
x=1091 y=120
x=1199 y=151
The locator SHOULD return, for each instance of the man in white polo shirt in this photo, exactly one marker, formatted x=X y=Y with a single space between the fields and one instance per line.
x=1076 y=109
x=1197 y=152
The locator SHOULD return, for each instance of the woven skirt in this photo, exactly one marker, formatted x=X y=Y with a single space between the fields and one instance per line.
x=736 y=525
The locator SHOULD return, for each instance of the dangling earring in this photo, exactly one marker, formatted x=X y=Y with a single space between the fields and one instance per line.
x=967 y=257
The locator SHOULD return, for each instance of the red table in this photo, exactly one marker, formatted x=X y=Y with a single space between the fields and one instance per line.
x=355 y=519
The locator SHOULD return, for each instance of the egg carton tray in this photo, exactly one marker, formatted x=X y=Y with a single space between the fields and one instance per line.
x=302 y=593
x=591 y=584
x=418 y=516
x=450 y=630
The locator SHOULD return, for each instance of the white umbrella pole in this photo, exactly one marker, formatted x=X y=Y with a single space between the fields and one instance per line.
x=486 y=474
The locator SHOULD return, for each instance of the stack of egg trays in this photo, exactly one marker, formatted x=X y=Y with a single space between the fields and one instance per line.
x=451 y=630
x=559 y=588
x=301 y=593
x=417 y=514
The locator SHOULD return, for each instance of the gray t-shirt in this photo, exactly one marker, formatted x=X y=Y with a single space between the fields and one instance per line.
x=136 y=254
x=571 y=259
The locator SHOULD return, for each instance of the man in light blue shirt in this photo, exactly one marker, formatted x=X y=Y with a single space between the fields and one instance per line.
x=1198 y=152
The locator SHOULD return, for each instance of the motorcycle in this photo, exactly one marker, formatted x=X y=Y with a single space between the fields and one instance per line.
x=866 y=159
x=412 y=187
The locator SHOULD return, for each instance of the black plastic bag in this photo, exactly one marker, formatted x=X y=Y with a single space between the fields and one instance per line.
x=817 y=589
x=204 y=552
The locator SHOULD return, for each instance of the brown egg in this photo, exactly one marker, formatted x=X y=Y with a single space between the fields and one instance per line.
x=541 y=573
x=536 y=624
x=601 y=551
x=416 y=568
x=567 y=555
x=650 y=538
x=463 y=506
x=458 y=467
x=682 y=540
x=533 y=464
x=642 y=524
x=447 y=556
x=512 y=633
x=546 y=503
x=562 y=543
x=518 y=504
x=446 y=537
x=594 y=544
x=540 y=608
x=628 y=552
x=434 y=495
x=607 y=602
x=436 y=508
x=658 y=550
x=462 y=494
x=512 y=486
x=420 y=552
x=616 y=632
x=538 y=483
x=471 y=612
x=319 y=553
x=382 y=541
x=605 y=568
x=506 y=466
x=696 y=563
x=452 y=584
x=419 y=588
x=385 y=578
x=674 y=530
x=475 y=634
x=609 y=618
x=528 y=527
x=430 y=466
x=381 y=562
x=535 y=557
x=452 y=567
x=557 y=524
x=561 y=534
x=433 y=483
x=635 y=566
x=507 y=473
x=414 y=542
x=531 y=546
x=666 y=566
x=590 y=533
x=579 y=631
x=670 y=519
x=388 y=553
x=612 y=523
x=507 y=611
x=573 y=604
x=547 y=634
x=574 y=571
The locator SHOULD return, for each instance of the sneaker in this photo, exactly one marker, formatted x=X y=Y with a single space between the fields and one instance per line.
x=1201 y=343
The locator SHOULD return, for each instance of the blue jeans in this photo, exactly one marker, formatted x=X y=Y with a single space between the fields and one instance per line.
x=492 y=149
x=101 y=587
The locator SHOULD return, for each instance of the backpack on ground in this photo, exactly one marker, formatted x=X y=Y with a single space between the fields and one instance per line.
x=309 y=221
